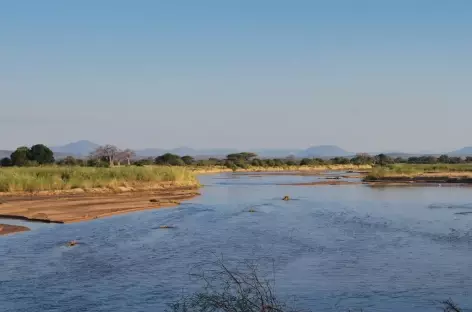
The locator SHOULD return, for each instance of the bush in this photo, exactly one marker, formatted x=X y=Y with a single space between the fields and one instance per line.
x=188 y=160
x=169 y=159
x=5 y=162
x=231 y=290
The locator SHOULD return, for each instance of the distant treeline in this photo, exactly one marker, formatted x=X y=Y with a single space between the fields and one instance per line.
x=109 y=155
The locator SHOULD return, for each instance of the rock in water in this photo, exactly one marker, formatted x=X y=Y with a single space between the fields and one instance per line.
x=286 y=198
x=72 y=243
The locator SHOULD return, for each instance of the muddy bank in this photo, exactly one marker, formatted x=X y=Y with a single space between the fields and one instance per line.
x=67 y=208
x=10 y=229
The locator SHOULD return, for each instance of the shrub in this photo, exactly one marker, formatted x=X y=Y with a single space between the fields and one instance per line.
x=5 y=162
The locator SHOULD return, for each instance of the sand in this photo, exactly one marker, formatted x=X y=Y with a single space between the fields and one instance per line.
x=67 y=208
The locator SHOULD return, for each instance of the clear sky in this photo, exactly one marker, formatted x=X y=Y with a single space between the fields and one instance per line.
x=364 y=75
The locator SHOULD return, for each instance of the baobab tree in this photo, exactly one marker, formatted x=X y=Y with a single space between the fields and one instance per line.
x=128 y=154
x=107 y=152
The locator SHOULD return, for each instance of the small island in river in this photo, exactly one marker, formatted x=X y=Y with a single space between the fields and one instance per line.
x=10 y=229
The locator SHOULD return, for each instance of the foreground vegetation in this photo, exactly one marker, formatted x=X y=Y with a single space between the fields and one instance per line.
x=29 y=179
x=243 y=289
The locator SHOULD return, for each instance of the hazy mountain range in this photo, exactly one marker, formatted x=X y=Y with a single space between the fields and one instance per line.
x=84 y=148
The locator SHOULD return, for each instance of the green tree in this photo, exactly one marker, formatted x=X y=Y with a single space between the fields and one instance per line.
x=144 y=162
x=278 y=162
x=245 y=156
x=70 y=161
x=256 y=162
x=400 y=160
x=188 y=160
x=21 y=156
x=443 y=159
x=382 y=160
x=362 y=159
x=5 y=162
x=41 y=154
x=307 y=162
x=97 y=162
x=291 y=161
x=340 y=161
x=170 y=160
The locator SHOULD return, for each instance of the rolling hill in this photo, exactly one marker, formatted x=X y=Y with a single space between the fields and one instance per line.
x=79 y=148
x=324 y=151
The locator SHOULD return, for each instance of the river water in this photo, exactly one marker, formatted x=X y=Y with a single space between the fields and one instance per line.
x=332 y=248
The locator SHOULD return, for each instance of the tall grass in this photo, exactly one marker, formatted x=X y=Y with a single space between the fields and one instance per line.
x=65 y=178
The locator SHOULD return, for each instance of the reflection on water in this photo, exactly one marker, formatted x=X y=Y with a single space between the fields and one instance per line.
x=334 y=248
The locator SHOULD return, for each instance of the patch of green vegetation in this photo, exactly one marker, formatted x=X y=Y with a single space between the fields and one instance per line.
x=29 y=179
x=416 y=169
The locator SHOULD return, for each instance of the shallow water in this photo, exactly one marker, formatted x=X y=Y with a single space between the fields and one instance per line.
x=333 y=248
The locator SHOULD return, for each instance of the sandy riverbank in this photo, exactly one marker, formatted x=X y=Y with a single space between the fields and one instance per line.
x=67 y=208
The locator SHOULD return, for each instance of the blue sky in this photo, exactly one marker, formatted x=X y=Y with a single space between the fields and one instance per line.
x=364 y=75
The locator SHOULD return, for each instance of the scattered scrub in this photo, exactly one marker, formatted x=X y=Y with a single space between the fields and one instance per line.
x=242 y=289
x=231 y=290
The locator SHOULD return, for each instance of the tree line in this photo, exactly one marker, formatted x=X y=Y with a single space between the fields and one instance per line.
x=110 y=155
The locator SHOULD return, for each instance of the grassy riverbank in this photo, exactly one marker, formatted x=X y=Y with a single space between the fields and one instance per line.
x=33 y=179
x=454 y=173
x=217 y=169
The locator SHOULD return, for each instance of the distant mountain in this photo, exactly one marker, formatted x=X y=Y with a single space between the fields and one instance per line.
x=79 y=148
x=279 y=153
x=183 y=151
x=465 y=151
x=4 y=154
x=324 y=151
x=84 y=148
x=150 y=152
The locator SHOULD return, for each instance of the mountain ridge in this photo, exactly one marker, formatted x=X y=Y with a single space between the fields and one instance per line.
x=83 y=148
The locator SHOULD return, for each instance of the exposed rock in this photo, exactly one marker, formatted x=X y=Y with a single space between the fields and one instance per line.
x=72 y=243
x=286 y=198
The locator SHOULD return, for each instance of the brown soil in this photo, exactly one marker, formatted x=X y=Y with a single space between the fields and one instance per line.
x=67 y=208
x=9 y=229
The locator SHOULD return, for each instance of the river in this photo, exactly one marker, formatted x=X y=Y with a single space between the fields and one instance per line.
x=333 y=248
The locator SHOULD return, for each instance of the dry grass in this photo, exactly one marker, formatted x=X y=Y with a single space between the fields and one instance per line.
x=66 y=178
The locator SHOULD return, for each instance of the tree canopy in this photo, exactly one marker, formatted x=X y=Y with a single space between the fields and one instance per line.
x=41 y=154
x=21 y=156
x=169 y=159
